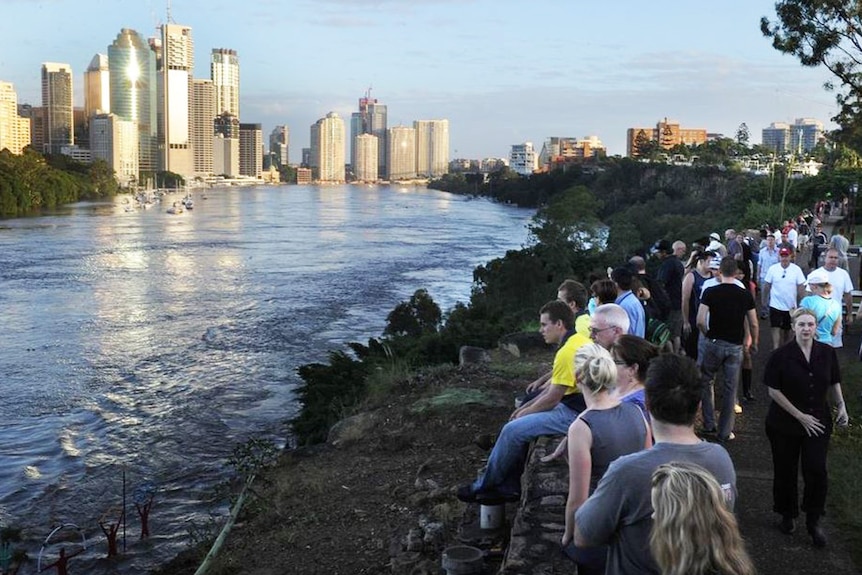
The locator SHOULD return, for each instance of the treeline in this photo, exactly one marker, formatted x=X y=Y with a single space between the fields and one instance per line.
x=30 y=181
x=587 y=219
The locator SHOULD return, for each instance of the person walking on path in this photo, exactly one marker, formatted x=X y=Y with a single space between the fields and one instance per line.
x=767 y=258
x=800 y=376
x=826 y=310
x=784 y=285
x=732 y=315
x=842 y=291
x=698 y=272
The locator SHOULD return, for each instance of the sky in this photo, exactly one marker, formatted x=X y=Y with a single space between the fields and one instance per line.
x=502 y=72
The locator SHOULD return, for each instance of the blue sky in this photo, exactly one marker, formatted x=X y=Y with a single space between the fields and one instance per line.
x=502 y=71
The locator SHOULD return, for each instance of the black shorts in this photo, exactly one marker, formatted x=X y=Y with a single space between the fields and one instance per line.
x=779 y=318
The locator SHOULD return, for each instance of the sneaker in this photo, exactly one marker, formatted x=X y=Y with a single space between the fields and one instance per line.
x=730 y=437
x=708 y=431
x=737 y=409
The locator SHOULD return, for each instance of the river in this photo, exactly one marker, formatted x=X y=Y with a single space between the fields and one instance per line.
x=146 y=345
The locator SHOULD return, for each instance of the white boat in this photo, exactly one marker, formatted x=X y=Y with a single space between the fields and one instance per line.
x=177 y=208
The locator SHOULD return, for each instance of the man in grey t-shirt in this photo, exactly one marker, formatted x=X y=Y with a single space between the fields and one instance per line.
x=619 y=512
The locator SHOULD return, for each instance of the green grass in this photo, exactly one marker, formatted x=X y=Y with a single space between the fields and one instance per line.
x=845 y=464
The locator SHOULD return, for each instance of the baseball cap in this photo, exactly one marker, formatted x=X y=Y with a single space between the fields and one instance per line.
x=784 y=252
x=715 y=236
x=661 y=246
x=715 y=263
x=818 y=276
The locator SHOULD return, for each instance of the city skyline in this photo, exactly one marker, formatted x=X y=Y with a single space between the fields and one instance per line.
x=501 y=75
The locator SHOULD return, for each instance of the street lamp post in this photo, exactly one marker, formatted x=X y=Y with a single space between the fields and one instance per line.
x=854 y=189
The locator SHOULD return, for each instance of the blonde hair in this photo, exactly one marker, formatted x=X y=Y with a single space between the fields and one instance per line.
x=595 y=368
x=693 y=531
x=799 y=312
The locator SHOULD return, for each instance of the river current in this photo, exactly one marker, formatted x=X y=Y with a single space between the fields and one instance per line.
x=144 y=345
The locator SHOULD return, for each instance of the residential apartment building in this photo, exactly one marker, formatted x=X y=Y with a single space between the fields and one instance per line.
x=97 y=89
x=667 y=133
x=203 y=115
x=365 y=168
x=401 y=153
x=798 y=138
x=57 y=103
x=115 y=141
x=370 y=119
x=432 y=147
x=176 y=69
x=327 y=149
x=523 y=159
x=14 y=129
x=279 y=145
x=250 y=150
x=224 y=73
x=558 y=151
x=776 y=137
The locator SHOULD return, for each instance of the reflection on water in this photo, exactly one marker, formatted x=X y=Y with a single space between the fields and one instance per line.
x=143 y=346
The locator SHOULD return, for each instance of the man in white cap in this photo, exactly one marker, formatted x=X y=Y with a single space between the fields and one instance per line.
x=842 y=286
x=785 y=285
x=715 y=244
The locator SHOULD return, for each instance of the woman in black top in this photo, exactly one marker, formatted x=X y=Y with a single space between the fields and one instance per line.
x=800 y=376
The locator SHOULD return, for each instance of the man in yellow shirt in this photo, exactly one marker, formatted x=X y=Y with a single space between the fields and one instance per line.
x=549 y=413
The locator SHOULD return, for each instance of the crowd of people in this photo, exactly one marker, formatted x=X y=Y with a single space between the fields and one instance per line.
x=633 y=391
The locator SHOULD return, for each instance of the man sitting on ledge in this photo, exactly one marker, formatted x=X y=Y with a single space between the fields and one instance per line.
x=549 y=413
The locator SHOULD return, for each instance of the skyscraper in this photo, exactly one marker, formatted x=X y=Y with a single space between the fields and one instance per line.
x=370 y=119
x=279 y=145
x=401 y=151
x=115 y=141
x=176 y=69
x=776 y=137
x=327 y=148
x=224 y=72
x=57 y=101
x=203 y=114
x=97 y=87
x=365 y=168
x=432 y=147
x=133 y=92
x=805 y=134
x=14 y=129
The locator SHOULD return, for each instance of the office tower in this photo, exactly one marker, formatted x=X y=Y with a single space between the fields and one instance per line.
x=115 y=141
x=365 y=168
x=401 y=153
x=370 y=119
x=14 y=129
x=432 y=147
x=327 y=149
x=523 y=159
x=224 y=72
x=805 y=134
x=57 y=101
x=176 y=68
x=776 y=137
x=226 y=145
x=250 y=150
x=203 y=114
x=306 y=158
x=134 y=92
x=279 y=145
x=97 y=91
x=35 y=115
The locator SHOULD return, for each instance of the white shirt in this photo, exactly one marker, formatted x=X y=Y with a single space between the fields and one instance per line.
x=841 y=283
x=783 y=283
x=792 y=236
x=714 y=281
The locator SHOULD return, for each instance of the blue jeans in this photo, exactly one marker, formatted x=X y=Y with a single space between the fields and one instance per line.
x=718 y=355
x=506 y=463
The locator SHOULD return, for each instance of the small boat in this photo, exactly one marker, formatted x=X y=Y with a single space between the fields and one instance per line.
x=177 y=208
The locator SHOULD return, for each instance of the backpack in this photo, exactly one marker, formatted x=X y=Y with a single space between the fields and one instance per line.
x=657 y=332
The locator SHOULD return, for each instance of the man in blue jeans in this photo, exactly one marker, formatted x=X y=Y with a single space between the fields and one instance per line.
x=549 y=413
x=727 y=318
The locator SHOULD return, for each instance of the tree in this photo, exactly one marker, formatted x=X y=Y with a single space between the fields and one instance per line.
x=826 y=33
x=415 y=317
x=742 y=137
x=644 y=146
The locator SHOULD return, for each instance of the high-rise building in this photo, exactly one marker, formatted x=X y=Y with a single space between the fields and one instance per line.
x=176 y=68
x=667 y=133
x=558 y=151
x=57 y=101
x=370 y=119
x=365 y=168
x=279 y=145
x=401 y=151
x=35 y=115
x=134 y=92
x=523 y=159
x=776 y=137
x=805 y=134
x=203 y=115
x=432 y=147
x=14 y=129
x=115 y=141
x=327 y=149
x=97 y=90
x=224 y=72
x=250 y=150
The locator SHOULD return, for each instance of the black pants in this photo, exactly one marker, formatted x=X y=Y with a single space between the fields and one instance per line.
x=787 y=451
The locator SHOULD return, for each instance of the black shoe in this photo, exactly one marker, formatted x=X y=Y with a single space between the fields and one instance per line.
x=787 y=525
x=818 y=537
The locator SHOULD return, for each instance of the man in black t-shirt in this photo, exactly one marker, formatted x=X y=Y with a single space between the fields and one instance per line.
x=727 y=318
